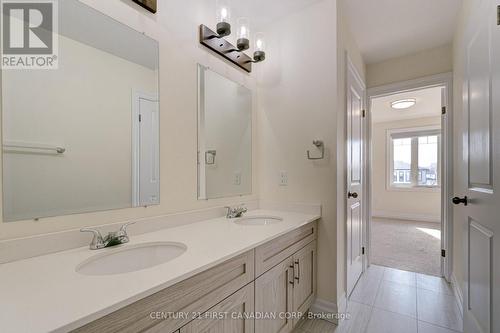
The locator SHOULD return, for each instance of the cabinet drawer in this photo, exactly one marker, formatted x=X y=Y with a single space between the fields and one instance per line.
x=236 y=311
x=196 y=294
x=272 y=253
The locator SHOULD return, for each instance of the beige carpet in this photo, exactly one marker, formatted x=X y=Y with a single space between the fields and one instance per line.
x=407 y=245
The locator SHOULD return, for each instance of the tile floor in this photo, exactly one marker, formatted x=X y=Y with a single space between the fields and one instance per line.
x=388 y=300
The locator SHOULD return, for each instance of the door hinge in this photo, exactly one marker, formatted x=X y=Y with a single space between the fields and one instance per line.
x=443 y=253
x=498 y=15
x=443 y=110
x=363 y=113
x=140 y=118
x=363 y=250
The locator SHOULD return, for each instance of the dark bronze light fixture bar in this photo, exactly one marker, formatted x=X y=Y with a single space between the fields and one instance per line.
x=225 y=49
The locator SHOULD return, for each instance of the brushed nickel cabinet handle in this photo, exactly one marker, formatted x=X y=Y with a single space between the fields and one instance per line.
x=297 y=277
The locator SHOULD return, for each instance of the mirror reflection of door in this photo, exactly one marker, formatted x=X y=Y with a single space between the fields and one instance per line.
x=146 y=151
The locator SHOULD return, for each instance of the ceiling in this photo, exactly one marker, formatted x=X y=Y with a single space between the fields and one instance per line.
x=385 y=29
x=428 y=105
x=264 y=12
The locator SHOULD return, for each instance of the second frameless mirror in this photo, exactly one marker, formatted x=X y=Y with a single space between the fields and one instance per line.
x=224 y=136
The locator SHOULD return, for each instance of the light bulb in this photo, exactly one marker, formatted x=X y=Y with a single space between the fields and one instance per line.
x=259 y=42
x=223 y=14
x=243 y=28
x=243 y=31
x=223 y=11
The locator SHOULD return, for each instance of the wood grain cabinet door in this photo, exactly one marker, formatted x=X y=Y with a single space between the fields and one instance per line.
x=304 y=288
x=232 y=315
x=273 y=299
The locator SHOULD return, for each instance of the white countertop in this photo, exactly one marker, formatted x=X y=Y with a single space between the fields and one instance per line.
x=46 y=294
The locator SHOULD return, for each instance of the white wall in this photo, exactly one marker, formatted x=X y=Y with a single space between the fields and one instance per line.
x=398 y=203
x=302 y=98
x=175 y=26
x=425 y=63
x=297 y=104
x=91 y=118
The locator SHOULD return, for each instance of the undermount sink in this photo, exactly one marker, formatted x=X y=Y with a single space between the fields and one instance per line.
x=258 y=220
x=131 y=258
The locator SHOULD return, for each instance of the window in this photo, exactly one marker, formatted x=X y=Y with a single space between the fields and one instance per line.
x=414 y=157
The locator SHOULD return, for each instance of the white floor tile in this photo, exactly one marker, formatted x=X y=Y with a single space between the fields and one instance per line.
x=429 y=328
x=438 y=309
x=375 y=272
x=316 y=326
x=434 y=283
x=366 y=290
x=399 y=276
x=389 y=322
x=359 y=315
x=397 y=297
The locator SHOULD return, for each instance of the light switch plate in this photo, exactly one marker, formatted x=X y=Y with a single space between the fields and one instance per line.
x=237 y=178
x=283 y=178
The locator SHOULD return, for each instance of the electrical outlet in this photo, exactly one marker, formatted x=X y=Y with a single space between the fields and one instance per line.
x=237 y=178
x=283 y=178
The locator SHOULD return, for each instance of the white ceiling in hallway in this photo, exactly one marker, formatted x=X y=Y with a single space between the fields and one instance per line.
x=386 y=29
x=428 y=105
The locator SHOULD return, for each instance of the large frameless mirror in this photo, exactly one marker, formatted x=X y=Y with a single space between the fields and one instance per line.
x=85 y=136
x=224 y=136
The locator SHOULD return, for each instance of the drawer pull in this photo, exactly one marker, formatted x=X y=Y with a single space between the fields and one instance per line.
x=292 y=282
x=297 y=277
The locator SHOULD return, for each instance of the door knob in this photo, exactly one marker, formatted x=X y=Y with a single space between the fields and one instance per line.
x=352 y=195
x=458 y=200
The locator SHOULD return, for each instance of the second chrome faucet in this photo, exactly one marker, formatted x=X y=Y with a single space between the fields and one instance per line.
x=234 y=212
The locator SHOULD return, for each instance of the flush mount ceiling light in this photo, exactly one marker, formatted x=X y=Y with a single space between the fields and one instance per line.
x=403 y=103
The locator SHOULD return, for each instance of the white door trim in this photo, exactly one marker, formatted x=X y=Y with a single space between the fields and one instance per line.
x=136 y=109
x=444 y=80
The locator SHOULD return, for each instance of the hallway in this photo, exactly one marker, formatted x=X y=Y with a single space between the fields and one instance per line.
x=388 y=300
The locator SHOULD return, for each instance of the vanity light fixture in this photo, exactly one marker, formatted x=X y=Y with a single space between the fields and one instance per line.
x=403 y=103
x=217 y=43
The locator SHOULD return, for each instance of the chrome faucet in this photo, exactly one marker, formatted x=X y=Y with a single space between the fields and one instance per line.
x=234 y=212
x=112 y=239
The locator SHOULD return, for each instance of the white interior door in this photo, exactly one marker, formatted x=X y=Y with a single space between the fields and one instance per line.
x=146 y=151
x=478 y=201
x=354 y=195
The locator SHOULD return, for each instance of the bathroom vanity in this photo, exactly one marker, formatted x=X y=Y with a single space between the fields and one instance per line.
x=242 y=269
x=278 y=276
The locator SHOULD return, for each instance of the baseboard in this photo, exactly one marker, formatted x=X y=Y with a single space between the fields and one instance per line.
x=329 y=311
x=406 y=216
x=457 y=291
